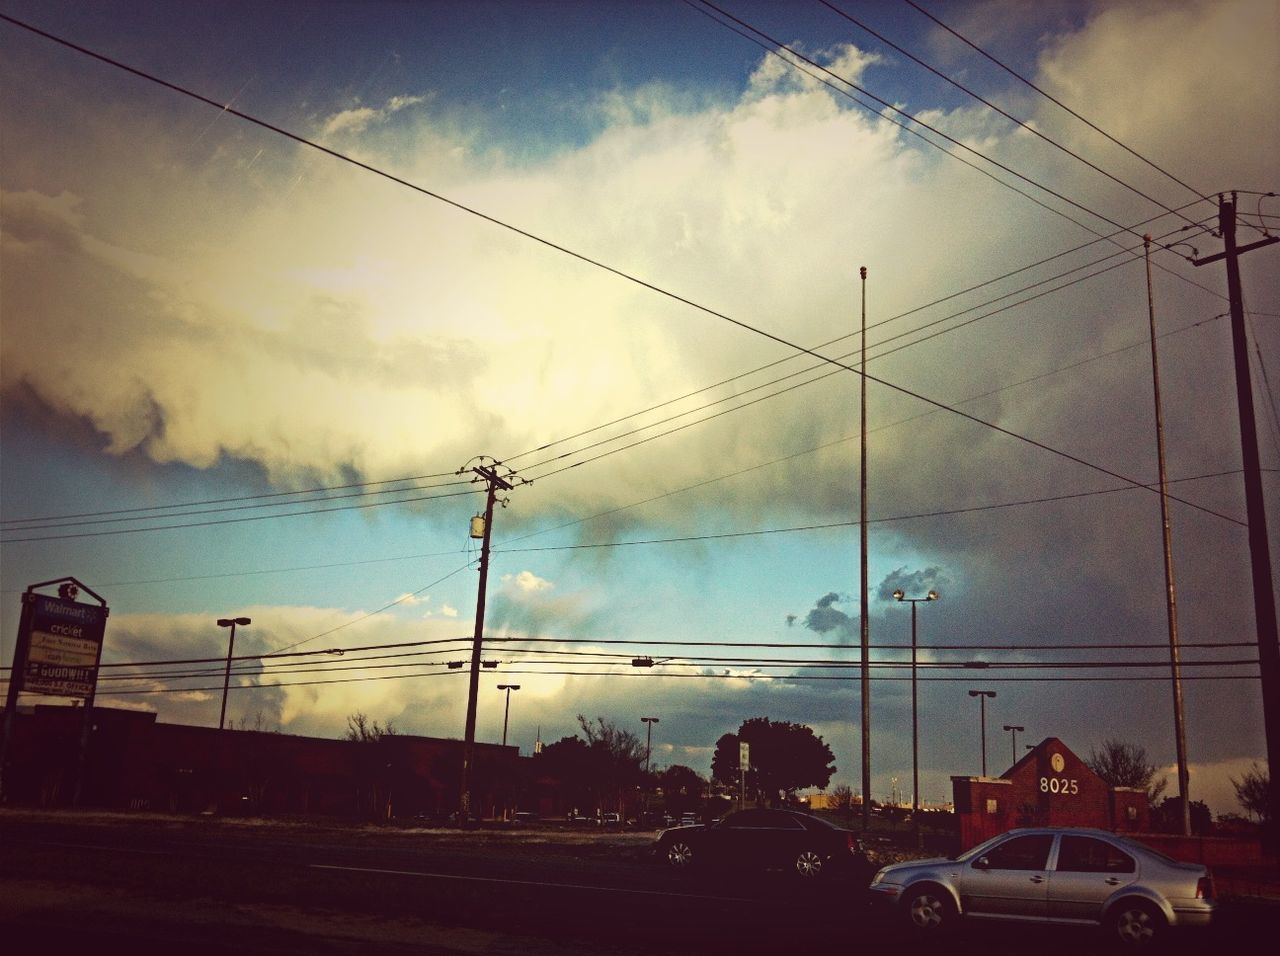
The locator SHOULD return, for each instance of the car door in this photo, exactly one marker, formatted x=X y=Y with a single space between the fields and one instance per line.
x=1011 y=879
x=1087 y=872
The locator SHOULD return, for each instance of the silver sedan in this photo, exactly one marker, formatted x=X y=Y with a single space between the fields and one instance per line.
x=1054 y=875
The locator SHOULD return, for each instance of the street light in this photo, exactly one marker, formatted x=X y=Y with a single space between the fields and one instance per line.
x=915 y=719
x=230 y=622
x=1014 y=730
x=507 y=710
x=648 y=743
x=982 y=696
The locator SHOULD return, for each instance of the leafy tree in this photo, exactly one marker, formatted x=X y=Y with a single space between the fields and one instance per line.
x=784 y=757
x=618 y=759
x=1123 y=764
x=1253 y=792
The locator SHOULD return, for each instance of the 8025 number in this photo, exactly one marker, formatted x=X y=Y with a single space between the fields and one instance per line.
x=1059 y=785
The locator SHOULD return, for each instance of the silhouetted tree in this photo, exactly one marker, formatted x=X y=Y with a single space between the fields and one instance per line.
x=373 y=764
x=682 y=787
x=784 y=757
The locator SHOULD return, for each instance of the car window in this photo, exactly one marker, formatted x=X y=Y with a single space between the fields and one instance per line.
x=745 y=819
x=1080 y=854
x=1021 y=853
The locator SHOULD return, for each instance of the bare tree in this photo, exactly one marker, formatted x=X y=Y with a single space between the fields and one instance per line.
x=363 y=730
x=1123 y=764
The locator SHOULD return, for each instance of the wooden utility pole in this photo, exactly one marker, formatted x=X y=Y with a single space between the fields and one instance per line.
x=495 y=482
x=1264 y=601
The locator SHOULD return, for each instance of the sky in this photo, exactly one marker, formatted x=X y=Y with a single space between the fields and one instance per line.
x=253 y=343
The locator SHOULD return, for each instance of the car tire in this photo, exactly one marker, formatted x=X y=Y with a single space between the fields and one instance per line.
x=1135 y=924
x=929 y=910
x=680 y=855
x=810 y=864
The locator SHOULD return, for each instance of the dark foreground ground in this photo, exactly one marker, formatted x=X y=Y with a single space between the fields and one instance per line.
x=152 y=883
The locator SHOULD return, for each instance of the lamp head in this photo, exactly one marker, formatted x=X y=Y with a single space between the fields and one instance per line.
x=898 y=595
x=931 y=596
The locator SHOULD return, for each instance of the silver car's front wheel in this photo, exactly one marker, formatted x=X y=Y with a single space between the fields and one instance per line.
x=1136 y=924
x=928 y=911
x=809 y=864
x=679 y=855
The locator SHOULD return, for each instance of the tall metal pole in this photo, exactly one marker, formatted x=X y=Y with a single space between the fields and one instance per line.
x=1264 y=602
x=226 y=677
x=1171 y=598
x=915 y=734
x=863 y=590
x=477 y=641
x=648 y=741
x=1014 y=731
x=506 y=711
x=982 y=696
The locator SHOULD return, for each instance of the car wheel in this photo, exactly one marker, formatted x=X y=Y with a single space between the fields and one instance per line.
x=1136 y=924
x=679 y=855
x=809 y=864
x=928 y=910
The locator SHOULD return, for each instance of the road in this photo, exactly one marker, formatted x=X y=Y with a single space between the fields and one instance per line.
x=213 y=886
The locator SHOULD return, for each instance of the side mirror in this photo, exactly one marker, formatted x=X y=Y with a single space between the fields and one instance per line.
x=982 y=863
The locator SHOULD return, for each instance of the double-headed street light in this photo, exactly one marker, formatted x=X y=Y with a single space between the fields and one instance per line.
x=230 y=622
x=915 y=719
x=648 y=742
x=982 y=696
x=506 y=712
x=1014 y=730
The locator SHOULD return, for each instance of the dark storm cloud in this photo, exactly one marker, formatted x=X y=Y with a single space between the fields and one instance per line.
x=824 y=617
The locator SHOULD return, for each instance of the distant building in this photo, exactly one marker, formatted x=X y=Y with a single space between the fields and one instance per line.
x=1049 y=786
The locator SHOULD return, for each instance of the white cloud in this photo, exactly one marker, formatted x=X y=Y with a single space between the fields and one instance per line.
x=360 y=118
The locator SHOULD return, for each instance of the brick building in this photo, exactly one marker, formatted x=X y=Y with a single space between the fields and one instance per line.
x=1049 y=786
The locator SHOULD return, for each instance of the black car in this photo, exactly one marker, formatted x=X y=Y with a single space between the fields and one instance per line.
x=783 y=839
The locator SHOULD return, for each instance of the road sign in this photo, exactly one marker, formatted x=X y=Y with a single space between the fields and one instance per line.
x=64 y=643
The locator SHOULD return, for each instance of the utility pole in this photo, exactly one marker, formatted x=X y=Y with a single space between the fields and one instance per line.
x=495 y=482
x=1264 y=602
x=1170 y=589
x=862 y=599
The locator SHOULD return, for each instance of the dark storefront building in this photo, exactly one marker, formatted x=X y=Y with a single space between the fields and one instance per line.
x=135 y=762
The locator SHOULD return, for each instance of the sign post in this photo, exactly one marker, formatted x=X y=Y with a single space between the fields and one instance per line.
x=58 y=652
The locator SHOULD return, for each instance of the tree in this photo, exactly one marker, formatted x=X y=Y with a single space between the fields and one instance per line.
x=1169 y=816
x=618 y=759
x=1122 y=764
x=363 y=730
x=682 y=787
x=784 y=757
x=1253 y=792
x=374 y=768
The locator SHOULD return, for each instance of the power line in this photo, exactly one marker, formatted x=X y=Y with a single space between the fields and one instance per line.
x=886 y=104
x=992 y=106
x=1014 y=73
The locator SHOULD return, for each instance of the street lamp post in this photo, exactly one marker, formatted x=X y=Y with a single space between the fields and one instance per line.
x=648 y=741
x=230 y=622
x=982 y=696
x=1014 y=730
x=915 y=718
x=506 y=711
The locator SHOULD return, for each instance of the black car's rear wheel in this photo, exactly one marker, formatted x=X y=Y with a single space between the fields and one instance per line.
x=679 y=855
x=809 y=864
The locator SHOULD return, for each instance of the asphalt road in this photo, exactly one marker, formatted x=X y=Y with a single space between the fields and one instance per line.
x=211 y=886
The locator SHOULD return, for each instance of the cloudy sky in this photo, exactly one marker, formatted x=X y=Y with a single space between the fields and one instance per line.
x=616 y=248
